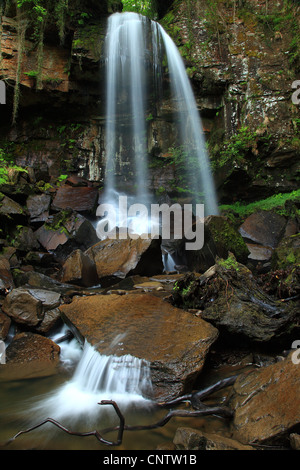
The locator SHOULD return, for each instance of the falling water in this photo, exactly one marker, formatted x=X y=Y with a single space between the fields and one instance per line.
x=124 y=379
x=135 y=46
x=126 y=93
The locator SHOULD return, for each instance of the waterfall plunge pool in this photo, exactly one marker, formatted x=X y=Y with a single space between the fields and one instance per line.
x=71 y=397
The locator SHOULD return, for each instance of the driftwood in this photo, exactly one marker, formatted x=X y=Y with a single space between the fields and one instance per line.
x=200 y=410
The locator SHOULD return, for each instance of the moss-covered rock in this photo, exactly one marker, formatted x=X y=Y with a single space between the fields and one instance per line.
x=287 y=253
x=220 y=239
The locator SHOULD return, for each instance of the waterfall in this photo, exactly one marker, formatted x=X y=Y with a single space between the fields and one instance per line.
x=135 y=49
x=124 y=379
x=125 y=96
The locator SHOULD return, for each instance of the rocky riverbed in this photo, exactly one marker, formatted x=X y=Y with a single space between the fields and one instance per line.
x=230 y=305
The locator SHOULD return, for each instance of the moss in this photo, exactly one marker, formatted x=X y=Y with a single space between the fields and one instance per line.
x=229 y=263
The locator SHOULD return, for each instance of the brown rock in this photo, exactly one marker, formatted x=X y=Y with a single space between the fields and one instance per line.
x=79 y=198
x=5 y=323
x=264 y=227
x=6 y=279
x=194 y=439
x=79 y=269
x=23 y=307
x=117 y=259
x=67 y=232
x=30 y=355
x=173 y=341
x=266 y=402
x=28 y=306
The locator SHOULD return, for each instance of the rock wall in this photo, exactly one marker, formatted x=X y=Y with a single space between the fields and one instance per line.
x=242 y=62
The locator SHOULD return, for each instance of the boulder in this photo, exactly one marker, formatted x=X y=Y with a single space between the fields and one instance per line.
x=220 y=238
x=79 y=269
x=10 y=208
x=264 y=227
x=78 y=198
x=194 y=439
x=173 y=341
x=266 y=403
x=38 y=206
x=30 y=355
x=287 y=252
x=66 y=232
x=117 y=259
x=230 y=298
x=28 y=306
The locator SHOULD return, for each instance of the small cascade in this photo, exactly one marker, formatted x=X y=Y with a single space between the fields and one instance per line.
x=97 y=377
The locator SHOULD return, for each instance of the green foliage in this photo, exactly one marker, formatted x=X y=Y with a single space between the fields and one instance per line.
x=276 y=202
x=146 y=7
x=8 y=169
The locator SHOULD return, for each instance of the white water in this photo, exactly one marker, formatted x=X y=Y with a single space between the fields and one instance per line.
x=97 y=377
x=132 y=43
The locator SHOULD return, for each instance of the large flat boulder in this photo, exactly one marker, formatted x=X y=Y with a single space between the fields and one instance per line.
x=173 y=341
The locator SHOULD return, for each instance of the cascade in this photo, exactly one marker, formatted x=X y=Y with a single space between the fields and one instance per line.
x=97 y=377
x=135 y=49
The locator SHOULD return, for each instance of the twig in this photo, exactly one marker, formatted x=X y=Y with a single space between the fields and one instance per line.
x=82 y=434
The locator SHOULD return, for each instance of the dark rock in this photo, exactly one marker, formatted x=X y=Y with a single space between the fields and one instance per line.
x=6 y=278
x=264 y=227
x=176 y=355
x=79 y=269
x=5 y=323
x=266 y=403
x=287 y=253
x=78 y=198
x=38 y=206
x=220 y=238
x=231 y=299
x=117 y=259
x=66 y=232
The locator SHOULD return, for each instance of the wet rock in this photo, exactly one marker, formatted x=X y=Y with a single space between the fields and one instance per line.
x=230 y=299
x=28 y=306
x=79 y=269
x=220 y=238
x=295 y=441
x=78 y=198
x=6 y=278
x=5 y=323
x=266 y=403
x=151 y=331
x=25 y=240
x=264 y=227
x=194 y=439
x=117 y=259
x=287 y=252
x=41 y=281
x=38 y=206
x=30 y=355
x=10 y=208
x=66 y=232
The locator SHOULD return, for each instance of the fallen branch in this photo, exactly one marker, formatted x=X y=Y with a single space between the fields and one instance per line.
x=193 y=398
x=96 y=434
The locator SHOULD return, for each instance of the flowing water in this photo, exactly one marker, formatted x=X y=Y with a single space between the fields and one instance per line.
x=133 y=45
x=136 y=49
x=72 y=398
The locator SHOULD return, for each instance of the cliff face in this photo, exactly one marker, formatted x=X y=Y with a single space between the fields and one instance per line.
x=242 y=59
